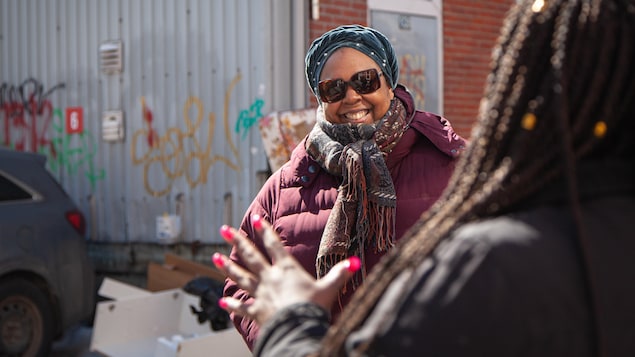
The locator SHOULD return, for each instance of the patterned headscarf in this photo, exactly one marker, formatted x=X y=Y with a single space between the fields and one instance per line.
x=364 y=39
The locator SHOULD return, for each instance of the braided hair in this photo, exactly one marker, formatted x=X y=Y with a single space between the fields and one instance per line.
x=561 y=90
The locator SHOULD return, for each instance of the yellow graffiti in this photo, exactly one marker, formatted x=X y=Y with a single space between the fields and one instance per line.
x=168 y=150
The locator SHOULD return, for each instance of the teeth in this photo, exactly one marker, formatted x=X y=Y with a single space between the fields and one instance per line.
x=356 y=115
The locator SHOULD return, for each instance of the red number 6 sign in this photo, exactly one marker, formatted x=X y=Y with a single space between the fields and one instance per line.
x=74 y=120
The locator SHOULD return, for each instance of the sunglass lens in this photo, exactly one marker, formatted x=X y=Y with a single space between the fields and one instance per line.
x=365 y=82
x=332 y=90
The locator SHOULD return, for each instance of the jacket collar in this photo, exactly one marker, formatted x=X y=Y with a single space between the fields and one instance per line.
x=434 y=127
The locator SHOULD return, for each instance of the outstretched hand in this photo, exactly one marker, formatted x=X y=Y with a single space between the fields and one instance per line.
x=279 y=284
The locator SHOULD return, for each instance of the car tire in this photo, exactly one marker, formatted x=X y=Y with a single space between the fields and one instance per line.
x=26 y=320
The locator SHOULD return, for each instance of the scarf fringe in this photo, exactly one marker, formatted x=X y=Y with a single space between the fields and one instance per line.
x=382 y=222
x=326 y=262
x=352 y=172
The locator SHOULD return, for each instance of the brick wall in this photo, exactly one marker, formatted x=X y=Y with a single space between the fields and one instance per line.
x=338 y=12
x=470 y=30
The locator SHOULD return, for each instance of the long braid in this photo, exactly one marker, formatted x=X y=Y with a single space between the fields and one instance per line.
x=512 y=154
x=561 y=89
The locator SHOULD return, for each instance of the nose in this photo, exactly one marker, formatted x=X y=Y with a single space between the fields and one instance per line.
x=351 y=94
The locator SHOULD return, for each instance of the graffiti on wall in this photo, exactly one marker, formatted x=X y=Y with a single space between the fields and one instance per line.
x=248 y=118
x=72 y=156
x=412 y=75
x=31 y=123
x=179 y=153
x=27 y=114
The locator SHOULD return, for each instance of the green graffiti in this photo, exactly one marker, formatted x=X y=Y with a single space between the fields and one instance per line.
x=248 y=118
x=63 y=155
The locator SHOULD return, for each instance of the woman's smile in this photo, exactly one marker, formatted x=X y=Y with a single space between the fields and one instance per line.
x=357 y=116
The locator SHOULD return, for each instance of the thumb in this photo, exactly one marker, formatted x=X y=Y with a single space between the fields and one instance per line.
x=332 y=283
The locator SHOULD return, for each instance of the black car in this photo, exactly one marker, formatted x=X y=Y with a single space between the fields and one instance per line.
x=46 y=277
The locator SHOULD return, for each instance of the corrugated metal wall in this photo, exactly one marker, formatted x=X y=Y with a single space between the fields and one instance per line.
x=196 y=77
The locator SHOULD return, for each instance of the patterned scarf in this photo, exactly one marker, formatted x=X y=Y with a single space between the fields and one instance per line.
x=364 y=210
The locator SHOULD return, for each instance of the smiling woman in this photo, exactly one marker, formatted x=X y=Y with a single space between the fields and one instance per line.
x=363 y=99
x=363 y=175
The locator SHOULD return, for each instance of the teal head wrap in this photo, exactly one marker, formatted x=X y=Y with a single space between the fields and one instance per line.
x=364 y=39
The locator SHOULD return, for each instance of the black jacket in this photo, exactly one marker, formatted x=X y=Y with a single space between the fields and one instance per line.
x=506 y=286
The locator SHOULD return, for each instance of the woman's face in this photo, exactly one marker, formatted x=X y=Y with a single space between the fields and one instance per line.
x=354 y=107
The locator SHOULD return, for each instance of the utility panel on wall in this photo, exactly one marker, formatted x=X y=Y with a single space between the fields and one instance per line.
x=112 y=128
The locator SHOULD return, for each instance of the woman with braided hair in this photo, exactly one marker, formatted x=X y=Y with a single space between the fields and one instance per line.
x=529 y=251
x=363 y=175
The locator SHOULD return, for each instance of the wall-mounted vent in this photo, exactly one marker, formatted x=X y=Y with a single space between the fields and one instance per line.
x=112 y=127
x=111 y=57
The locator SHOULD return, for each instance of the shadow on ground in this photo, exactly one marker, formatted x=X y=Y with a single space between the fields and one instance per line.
x=74 y=343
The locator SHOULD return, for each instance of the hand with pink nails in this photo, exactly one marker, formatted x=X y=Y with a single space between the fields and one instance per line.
x=278 y=285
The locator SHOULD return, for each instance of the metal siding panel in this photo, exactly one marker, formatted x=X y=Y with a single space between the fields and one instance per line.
x=251 y=143
x=27 y=33
x=197 y=206
x=85 y=176
x=232 y=65
x=4 y=48
x=96 y=165
x=104 y=206
x=135 y=80
x=140 y=216
x=128 y=82
x=219 y=84
x=69 y=96
x=176 y=54
x=115 y=159
x=16 y=19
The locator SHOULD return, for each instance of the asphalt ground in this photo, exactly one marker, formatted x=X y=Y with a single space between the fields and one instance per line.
x=74 y=343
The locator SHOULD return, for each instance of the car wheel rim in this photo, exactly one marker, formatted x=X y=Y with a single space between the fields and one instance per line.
x=20 y=326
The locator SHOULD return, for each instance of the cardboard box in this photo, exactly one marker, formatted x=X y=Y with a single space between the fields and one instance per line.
x=139 y=323
x=175 y=272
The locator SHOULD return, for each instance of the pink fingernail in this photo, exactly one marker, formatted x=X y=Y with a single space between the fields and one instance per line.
x=217 y=259
x=226 y=233
x=256 y=220
x=222 y=303
x=354 y=264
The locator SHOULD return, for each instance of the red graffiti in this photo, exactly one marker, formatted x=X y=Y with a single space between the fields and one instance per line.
x=147 y=117
x=27 y=115
x=24 y=125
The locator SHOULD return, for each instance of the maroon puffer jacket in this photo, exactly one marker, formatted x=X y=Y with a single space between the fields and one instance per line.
x=297 y=199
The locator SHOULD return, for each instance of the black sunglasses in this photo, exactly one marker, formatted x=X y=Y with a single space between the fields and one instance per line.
x=364 y=82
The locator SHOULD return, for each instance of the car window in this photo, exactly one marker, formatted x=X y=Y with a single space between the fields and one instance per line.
x=10 y=191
